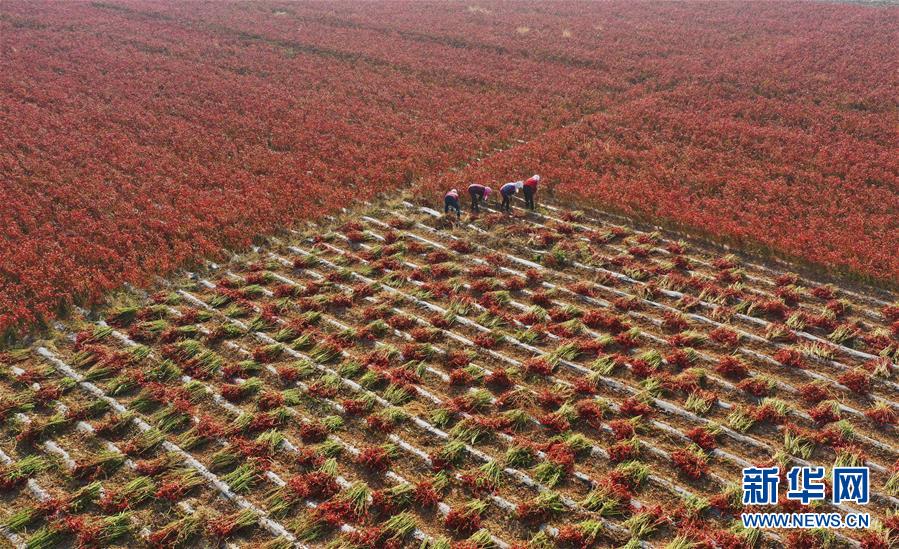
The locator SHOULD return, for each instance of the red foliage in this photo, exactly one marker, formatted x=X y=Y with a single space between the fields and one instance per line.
x=534 y=276
x=690 y=464
x=401 y=322
x=415 y=351
x=86 y=531
x=601 y=320
x=499 y=378
x=590 y=411
x=813 y=393
x=538 y=366
x=374 y=459
x=773 y=307
x=882 y=415
x=572 y=536
x=550 y=399
x=821 y=321
x=461 y=246
x=642 y=369
x=332 y=514
x=456 y=359
x=424 y=335
x=767 y=413
x=631 y=407
x=485 y=340
x=288 y=374
x=541 y=298
x=627 y=304
x=588 y=346
x=171 y=490
x=555 y=422
x=312 y=432
x=313 y=485
x=724 y=539
x=754 y=386
x=876 y=540
x=732 y=367
x=425 y=494
x=627 y=340
x=462 y=521
x=622 y=429
x=702 y=438
x=321 y=390
x=584 y=386
x=8 y=482
x=379 y=424
x=515 y=283
x=858 y=381
x=232 y=392
x=222 y=526
x=460 y=378
x=802 y=539
x=266 y=354
x=678 y=358
x=674 y=322
x=622 y=451
x=722 y=502
x=582 y=288
x=890 y=312
x=531 y=513
x=269 y=400
x=725 y=336
x=354 y=407
x=618 y=489
x=789 y=357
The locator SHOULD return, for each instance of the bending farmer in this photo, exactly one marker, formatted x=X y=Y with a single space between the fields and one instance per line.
x=507 y=191
x=451 y=201
x=478 y=193
x=530 y=189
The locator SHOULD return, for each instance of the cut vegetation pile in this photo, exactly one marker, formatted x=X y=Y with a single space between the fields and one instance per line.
x=392 y=380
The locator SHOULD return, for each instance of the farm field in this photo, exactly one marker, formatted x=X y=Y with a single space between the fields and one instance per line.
x=392 y=377
x=139 y=137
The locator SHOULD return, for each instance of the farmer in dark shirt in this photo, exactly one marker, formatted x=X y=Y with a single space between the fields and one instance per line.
x=507 y=191
x=478 y=193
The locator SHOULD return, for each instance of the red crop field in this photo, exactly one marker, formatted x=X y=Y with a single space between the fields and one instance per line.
x=138 y=137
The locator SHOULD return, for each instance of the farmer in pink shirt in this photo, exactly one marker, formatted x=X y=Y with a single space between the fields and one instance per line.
x=451 y=201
